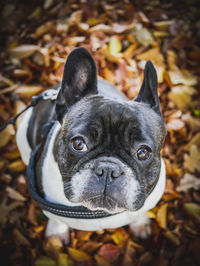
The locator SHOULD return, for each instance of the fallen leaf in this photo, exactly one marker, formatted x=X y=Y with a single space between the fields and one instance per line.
x=109 y=251
x=129 y=258
x=6 y=209
x=181 y=96
x=192 y=160
x=53 y=246
x=154 y=55
x=193 y=210
x=187 y=182
x=119 y=237
x=163 y=25
x=114 y=45
x=108 y=75
x=172 y=237
x=143 y=35
x=79 y=256
x=194 y=140
x=16 y=166
x=75 y=40
x=175 y=124
x=101 y=28
x=162 y=216
x=101 y=261
x=20 y=238
x=45 y=261
x=64 y=260
x=75 y=18
x=13 y=194
x=27 y=91
x=6 y=135
x=184 y=77
x=23 y=51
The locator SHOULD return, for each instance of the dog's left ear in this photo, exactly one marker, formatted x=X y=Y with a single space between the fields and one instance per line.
x=79 y=80
x=149 y=90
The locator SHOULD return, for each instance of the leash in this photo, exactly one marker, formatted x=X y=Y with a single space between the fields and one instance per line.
x=50 y=94
x=79 y=212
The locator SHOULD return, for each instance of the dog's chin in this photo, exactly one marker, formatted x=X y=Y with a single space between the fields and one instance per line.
x=102 y=203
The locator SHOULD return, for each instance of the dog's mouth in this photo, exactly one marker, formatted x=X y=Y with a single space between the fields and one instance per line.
x=105 y=203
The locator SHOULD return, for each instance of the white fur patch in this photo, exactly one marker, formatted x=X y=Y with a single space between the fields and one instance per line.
x=51 y=178
x=120 y=219
x=21 y=136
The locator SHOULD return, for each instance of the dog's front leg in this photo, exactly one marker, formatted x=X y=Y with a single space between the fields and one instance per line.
x=141 y=227
x=56 y=228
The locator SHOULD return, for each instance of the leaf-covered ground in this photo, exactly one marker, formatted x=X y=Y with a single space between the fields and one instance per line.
x=36 y=37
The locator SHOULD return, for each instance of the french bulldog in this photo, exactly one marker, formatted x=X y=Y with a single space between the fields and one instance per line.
x=103 y=151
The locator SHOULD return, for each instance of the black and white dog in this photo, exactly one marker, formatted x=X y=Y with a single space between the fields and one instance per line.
x=102 y=153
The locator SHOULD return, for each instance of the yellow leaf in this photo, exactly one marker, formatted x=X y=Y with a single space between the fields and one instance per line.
x=45 y=261
x=101 y=261
x=109 y=76
x=79 y=255
x=118 y=237
x=64 y=260
x=114 y=45
x=16 y=166
x=163 y=25
x=154 y=55
x=162 y=216
x=13 y=194
x=6 y=135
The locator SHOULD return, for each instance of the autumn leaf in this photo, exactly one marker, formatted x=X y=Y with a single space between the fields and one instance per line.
x=192 y=160
x=187 y=182
x=109 y=252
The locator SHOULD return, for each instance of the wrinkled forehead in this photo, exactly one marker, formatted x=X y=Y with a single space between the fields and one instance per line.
x=98 y=113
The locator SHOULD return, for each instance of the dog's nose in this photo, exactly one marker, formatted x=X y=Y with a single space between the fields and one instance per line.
x=104 y=169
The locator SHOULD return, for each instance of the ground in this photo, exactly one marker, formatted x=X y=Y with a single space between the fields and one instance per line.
x=36 y=38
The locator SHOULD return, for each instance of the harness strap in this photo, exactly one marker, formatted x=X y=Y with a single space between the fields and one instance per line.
x=46 y=95
x=79 y=212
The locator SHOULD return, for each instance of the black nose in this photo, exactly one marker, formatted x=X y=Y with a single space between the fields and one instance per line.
x=107 y=169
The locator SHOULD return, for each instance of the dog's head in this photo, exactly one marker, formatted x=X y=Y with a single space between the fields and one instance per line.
x=109 y=150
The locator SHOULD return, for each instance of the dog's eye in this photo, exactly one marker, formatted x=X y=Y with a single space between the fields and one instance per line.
x=78 y=144
x=144 y=153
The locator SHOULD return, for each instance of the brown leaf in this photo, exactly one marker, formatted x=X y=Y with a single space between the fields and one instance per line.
x=129 y=258
x=101 y=261
x=20 y=238
x=109 y=251
x=184 y=77
x=154 y=55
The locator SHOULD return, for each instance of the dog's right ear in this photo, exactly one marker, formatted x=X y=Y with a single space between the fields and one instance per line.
x=79 y=80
